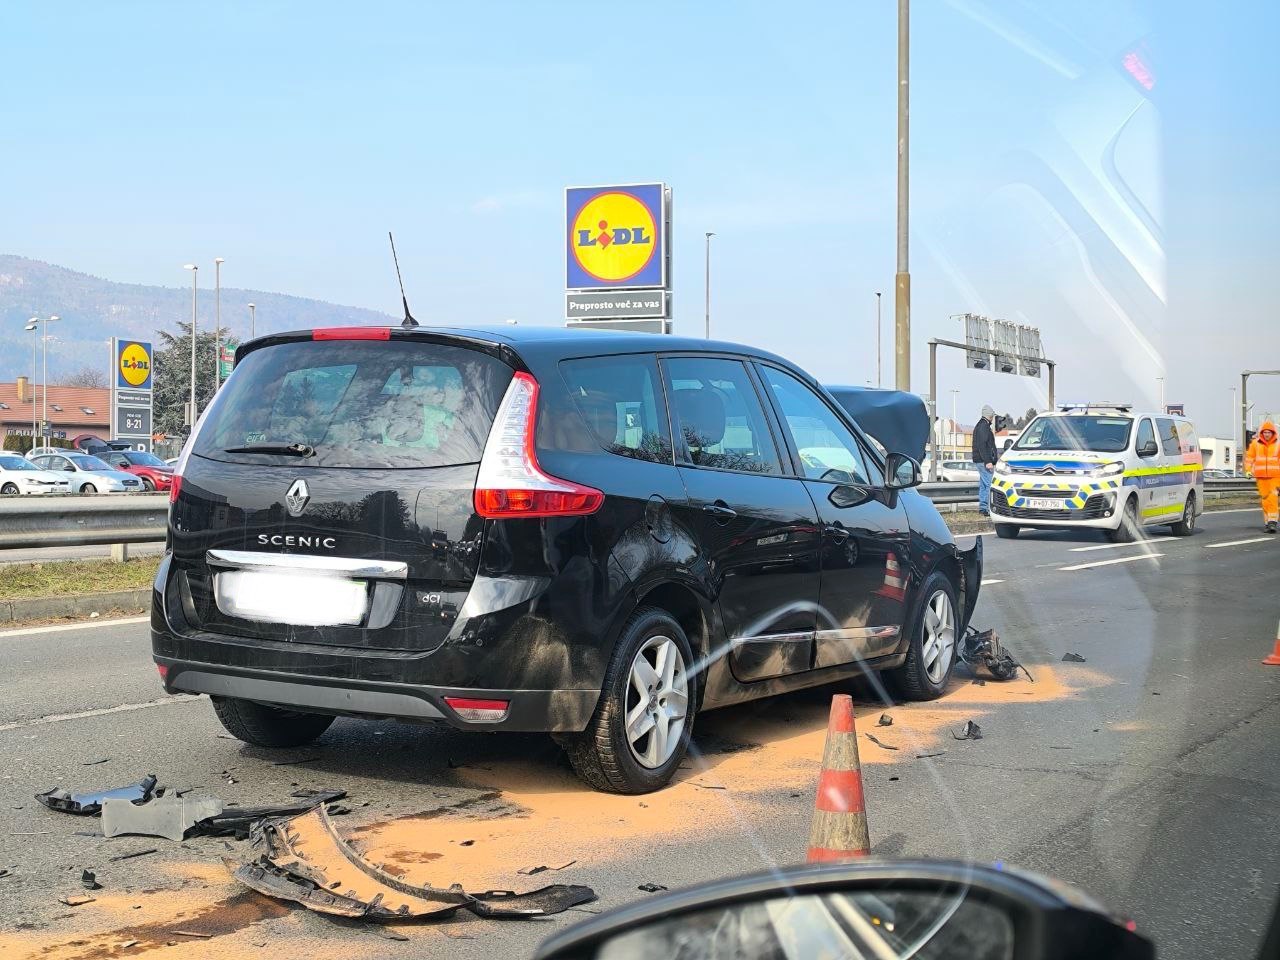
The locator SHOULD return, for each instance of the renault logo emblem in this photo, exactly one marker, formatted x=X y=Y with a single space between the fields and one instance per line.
x=296 y=499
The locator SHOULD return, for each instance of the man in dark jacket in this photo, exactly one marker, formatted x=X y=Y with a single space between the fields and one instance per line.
x=985 y=456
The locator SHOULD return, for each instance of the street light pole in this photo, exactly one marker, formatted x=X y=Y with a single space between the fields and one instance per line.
x=1161 y=381
x=879 y=352
x=217 y=322
x=44 y=375
x=191 y=409
x=708 y=284
x=954 y=426
x=252 y=307
x=902 y=282
x=33 y=324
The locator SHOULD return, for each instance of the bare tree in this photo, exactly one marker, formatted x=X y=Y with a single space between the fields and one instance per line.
x=85 y=377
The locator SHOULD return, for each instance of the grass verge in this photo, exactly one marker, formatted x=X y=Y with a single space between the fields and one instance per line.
x=23 y=581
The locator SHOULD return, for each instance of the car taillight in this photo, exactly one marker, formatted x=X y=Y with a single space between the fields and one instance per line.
x=174 y=483
x=479 y=711
x=510 y=483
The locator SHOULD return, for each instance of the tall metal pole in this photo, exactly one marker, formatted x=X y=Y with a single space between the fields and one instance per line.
x=954 y=429
x=708 y=285
x=879 y=352
x=902 y=282
x=252 y=308
x=1244 y=412
x=1161 y=380
x=217 y=322
x=34 y=340
x=1231 y=425
x=191 y=411
x=933 y=413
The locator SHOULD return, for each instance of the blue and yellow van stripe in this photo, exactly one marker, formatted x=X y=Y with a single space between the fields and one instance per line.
x=1017 y=491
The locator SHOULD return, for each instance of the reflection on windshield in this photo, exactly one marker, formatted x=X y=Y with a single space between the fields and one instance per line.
x=1094 y=433
x=885 y=925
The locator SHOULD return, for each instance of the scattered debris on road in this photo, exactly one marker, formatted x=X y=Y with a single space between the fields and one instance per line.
x=89 y=880
x=970 y=731
x=883 y=746
x=985 y=649
x=530 y=871
x=926 y=756
x=885 y=720
x=1072 y=658
x=90 y=804
x=132 y=855
x=651 y=887
x=76 y=899
x=306 y=861
x=168 y=814
x=94 y=763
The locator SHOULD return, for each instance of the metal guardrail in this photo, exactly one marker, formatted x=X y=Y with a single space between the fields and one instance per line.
x=32 y=522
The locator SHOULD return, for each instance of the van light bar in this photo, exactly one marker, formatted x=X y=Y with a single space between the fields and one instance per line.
x=479 y=711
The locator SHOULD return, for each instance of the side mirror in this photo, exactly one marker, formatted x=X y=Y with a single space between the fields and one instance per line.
x=1148 y=449
x=901 y=472
x=870 y=909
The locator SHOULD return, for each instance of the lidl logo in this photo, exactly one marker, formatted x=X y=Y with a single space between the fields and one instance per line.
x=133 y=362
x=615 y=236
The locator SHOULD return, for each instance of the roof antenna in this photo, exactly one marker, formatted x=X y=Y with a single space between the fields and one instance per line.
x=408 y=320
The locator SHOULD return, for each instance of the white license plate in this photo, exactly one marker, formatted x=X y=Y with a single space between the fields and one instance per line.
x=1045 y=503
x=303 y=600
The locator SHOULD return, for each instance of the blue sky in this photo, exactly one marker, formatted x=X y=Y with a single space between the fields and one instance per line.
x=1138 y=231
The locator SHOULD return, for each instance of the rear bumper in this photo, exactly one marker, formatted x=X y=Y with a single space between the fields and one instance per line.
x=553 y=711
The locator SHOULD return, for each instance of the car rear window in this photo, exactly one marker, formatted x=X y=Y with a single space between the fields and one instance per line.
x=385 y=404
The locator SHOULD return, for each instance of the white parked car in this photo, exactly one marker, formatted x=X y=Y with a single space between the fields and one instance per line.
x=20 y=475
x=958 y=471
x=88 y=474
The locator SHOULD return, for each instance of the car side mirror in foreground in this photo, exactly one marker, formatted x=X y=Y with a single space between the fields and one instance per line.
x=869 y=909
x=901 y=472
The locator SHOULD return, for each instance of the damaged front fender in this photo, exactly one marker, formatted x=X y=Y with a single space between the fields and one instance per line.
x=970 y=580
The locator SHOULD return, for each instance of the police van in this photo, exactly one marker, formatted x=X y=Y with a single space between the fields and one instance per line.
x=1102 y=466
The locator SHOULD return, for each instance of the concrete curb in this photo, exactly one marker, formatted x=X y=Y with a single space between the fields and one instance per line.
x=48 y=608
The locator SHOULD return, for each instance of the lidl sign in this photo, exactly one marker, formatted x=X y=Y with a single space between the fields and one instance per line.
x=616 y=237
x=133 y=365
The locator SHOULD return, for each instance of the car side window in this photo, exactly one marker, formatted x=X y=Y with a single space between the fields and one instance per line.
x=118 y=460
x=718 y=419
x=1169 y=437
x=620 y=399
x=1146 y=434
x=828 y=449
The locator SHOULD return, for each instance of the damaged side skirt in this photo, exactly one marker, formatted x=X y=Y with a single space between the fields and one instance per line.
x=305 y=860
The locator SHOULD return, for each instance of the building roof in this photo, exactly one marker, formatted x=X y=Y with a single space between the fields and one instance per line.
x=72 y=400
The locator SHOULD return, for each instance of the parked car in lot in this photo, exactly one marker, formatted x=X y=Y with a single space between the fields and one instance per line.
x=87 y=474
x=958 y=471
x=593 y=534
x=154 y=473
x=18 y=475
x=1219 y=473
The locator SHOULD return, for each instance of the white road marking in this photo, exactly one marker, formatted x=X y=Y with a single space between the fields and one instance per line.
x=1238 y=543
x=1100 y=546
x=1107 y=563
x=59 y=627
x=985 y=582
x=101 y=712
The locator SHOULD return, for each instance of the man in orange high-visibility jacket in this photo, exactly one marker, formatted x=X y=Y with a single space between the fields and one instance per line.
x=1263 y=461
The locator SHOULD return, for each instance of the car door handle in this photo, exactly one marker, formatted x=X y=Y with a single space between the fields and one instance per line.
x=720 y=510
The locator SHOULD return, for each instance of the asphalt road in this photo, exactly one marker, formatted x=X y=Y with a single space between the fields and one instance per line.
x=1148 y=775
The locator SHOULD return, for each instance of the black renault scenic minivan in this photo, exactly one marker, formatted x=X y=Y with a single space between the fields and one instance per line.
x=593 y=534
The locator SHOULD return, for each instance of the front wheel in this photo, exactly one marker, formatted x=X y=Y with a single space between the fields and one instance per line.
x=1007 y=531
x=1129 y=529
x=641 y=728
x=931 y=655
x=9 y=489
x=264 y=726
x=1187 y=525
x=88 y=488
x=148 y=486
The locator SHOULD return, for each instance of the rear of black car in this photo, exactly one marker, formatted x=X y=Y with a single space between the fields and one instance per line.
x=327 y=537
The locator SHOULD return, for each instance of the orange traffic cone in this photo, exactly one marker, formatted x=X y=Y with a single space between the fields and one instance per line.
x=839 y=829
x=1274 y=659
x=894 y=586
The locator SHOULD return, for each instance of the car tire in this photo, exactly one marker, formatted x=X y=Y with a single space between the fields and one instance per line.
x=148 y=486
x=88 y=488
x=605 y=755
x=1007 y=531
x=919 y=677
x=9 y=489
x=263 y=726
x=1186 y=527
x=1129 y=530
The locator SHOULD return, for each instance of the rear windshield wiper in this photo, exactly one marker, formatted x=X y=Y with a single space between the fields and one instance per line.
x=286 y=449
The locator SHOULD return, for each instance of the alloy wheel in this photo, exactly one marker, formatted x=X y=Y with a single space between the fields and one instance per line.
x=657 y=702
x=939 y=640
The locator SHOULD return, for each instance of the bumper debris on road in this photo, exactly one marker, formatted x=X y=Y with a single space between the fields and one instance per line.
x=90 y=804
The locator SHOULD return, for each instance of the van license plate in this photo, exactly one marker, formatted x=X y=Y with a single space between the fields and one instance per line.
x=1044 y=503
x=303 y=600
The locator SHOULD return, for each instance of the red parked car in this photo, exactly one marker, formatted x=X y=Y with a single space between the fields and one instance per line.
x=155 y=473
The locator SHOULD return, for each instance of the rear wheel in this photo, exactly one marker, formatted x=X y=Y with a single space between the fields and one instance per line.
x=641 y=728
x=1129 y=529
x=9 y=489
x=931 y=655
x=1187 y=525
x=88 y=488
x=264 y=726
x=147 y=485
x=1007 y=531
